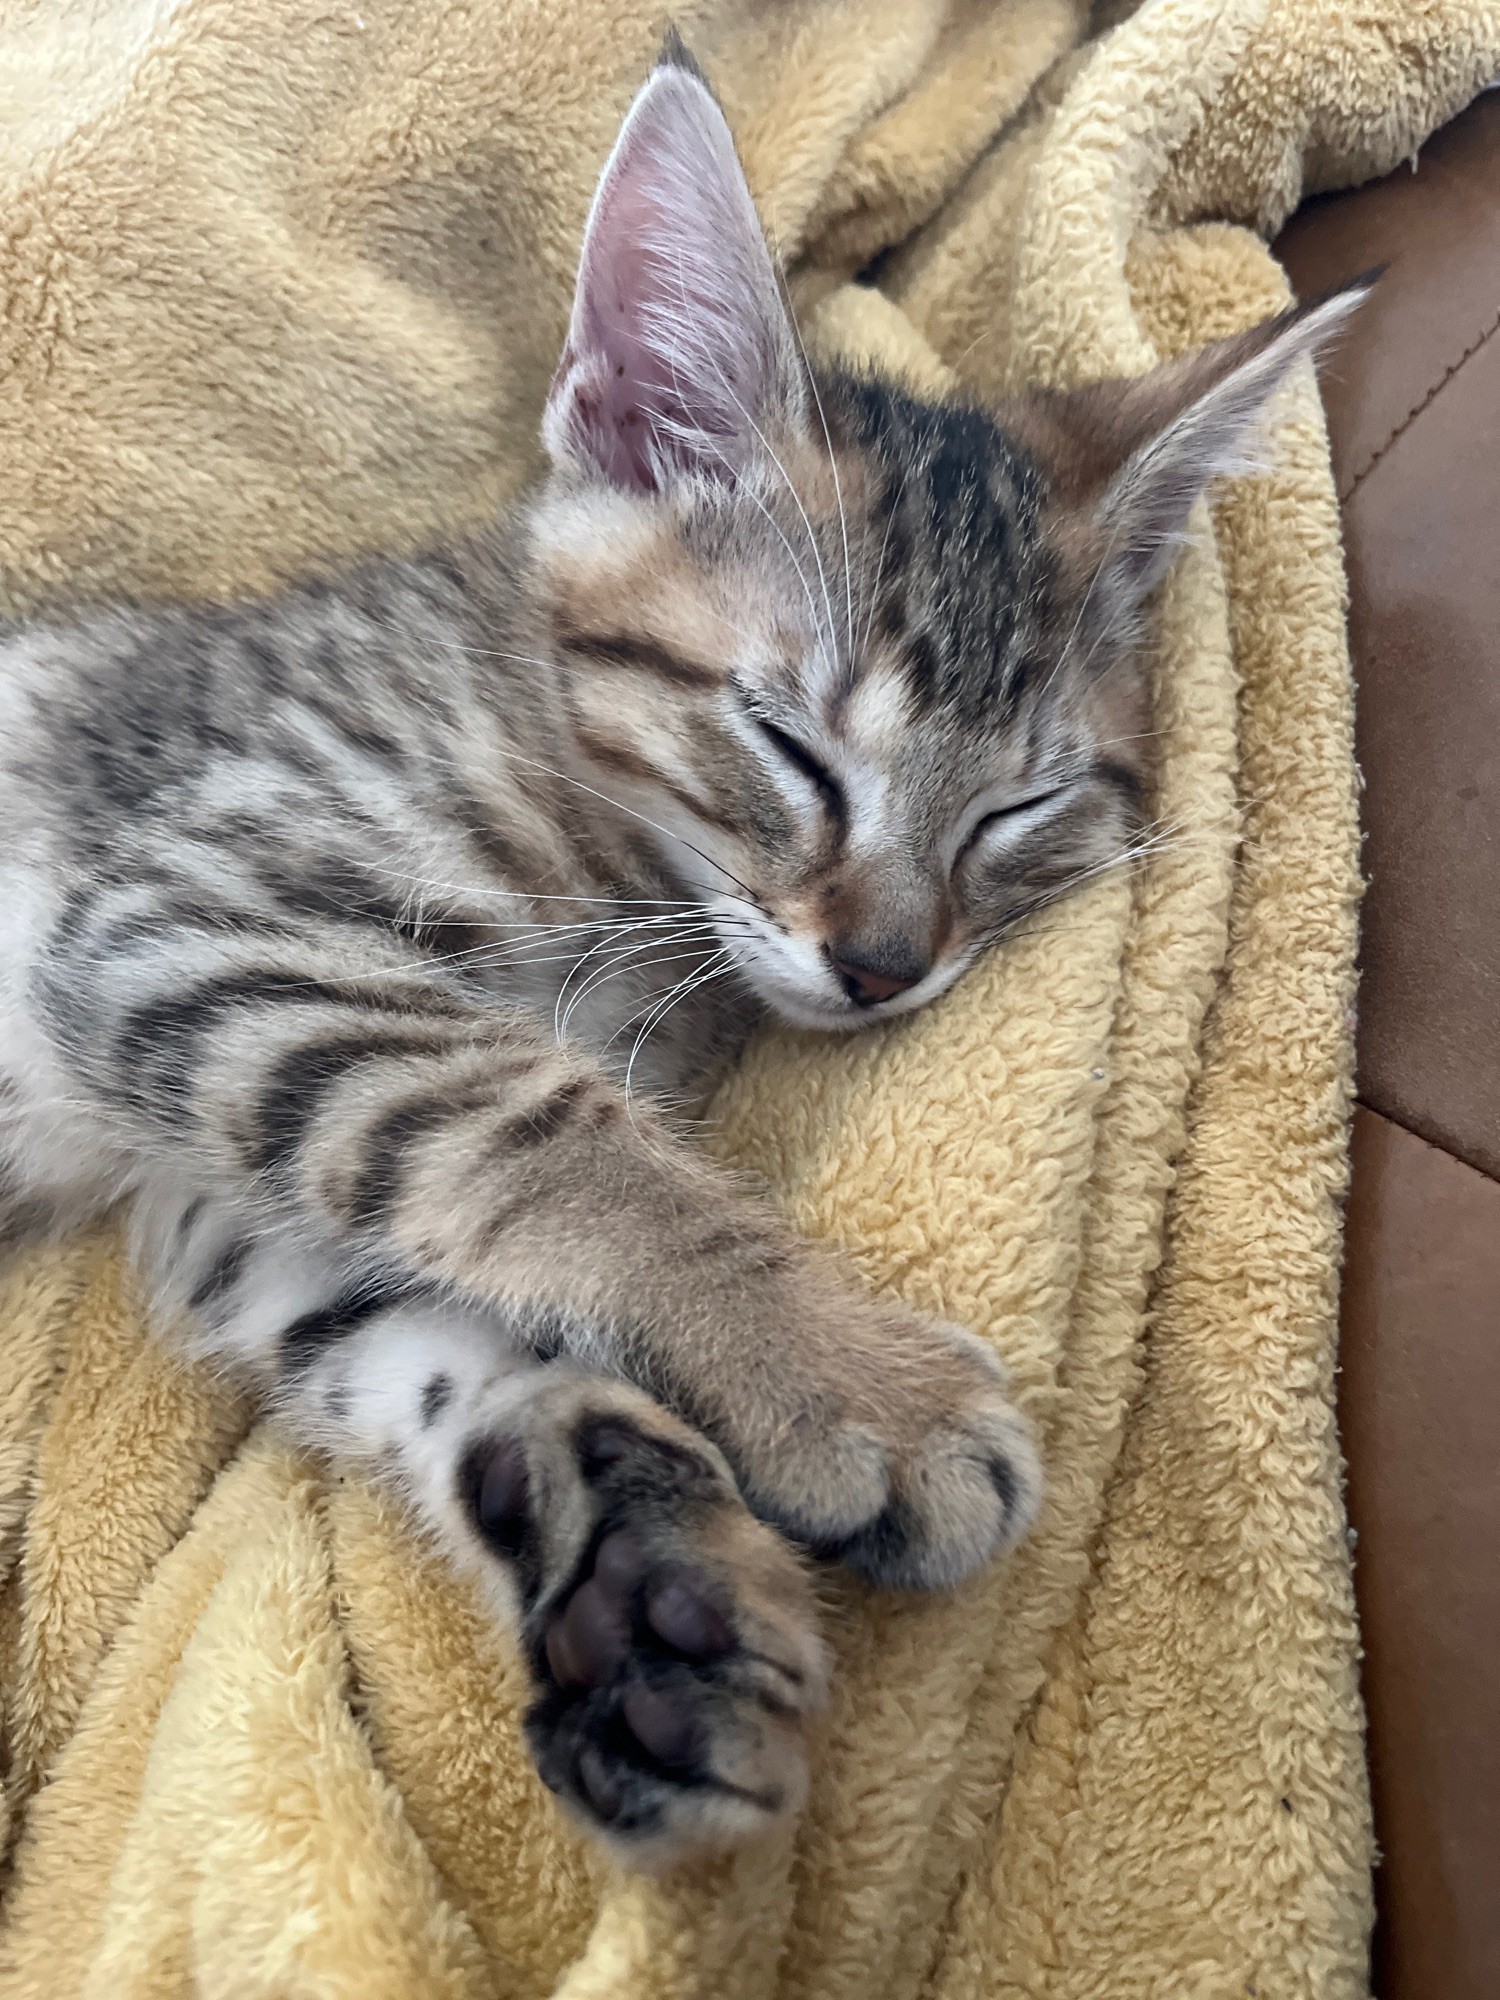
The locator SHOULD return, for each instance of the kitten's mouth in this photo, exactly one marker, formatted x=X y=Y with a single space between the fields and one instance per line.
x=796 y=977
x=799 y=1012
x=846 y=1017
x=832 y=1011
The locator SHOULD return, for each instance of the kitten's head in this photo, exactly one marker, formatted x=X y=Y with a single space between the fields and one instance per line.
x=869 y=664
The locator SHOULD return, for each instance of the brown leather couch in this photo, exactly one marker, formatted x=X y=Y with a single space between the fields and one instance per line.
x=1413 y=401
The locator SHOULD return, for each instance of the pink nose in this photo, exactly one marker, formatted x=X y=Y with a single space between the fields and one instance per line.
x=867 y=985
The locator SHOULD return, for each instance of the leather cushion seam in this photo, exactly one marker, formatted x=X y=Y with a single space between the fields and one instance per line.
x=1432 y=1145
x=1416 y=410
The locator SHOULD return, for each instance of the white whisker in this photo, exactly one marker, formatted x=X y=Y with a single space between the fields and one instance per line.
x=567 y=778
x=766 y=447
x=689 y=984
x=495 y=653
x=533 y=896
x=619 y=955
x=833 y=466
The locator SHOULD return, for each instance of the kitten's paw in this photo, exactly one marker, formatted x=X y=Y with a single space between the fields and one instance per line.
x=963 y=1481
x=672 y=1637
x=911 y=1465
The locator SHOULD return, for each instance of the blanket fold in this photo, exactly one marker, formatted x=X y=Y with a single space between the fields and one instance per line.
x=285 y=280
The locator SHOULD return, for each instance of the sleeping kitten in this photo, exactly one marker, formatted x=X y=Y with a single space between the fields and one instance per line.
x=365 y=937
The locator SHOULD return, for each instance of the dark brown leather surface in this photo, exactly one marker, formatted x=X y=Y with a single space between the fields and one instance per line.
x=1413 y=397
x=1438 y=229
x=1419 y=1406
x=1413 y=400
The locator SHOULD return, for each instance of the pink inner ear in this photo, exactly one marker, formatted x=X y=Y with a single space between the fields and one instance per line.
x=637 y=405
x=678 y=332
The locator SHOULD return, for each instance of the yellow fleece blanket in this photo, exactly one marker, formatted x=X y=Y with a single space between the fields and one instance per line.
x=285 y=278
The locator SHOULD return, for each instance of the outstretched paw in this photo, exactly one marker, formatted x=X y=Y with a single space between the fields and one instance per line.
x=895 y=1448
x=963 y=1482
x=672 y=1637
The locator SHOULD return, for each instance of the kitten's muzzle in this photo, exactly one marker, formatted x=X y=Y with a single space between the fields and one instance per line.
x=870 y=976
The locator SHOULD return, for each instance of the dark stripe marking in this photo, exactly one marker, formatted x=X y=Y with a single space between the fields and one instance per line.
x=549 y=1117
x=1123 y=779
x=924 y=672
x=498 y=847
x=830 y=791
x=376 y=1185
x=159 y=1029
x=221 y=1274
x=189 y=1216
x=506 y=1215
x=307 y=1339
x=293 y=1095
x=615 y=757
x=356 y=731
x=624 y=649
x=183 y=918
x=437 y=1394
x=339 y=889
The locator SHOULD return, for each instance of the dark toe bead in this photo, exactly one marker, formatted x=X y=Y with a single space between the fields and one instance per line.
x=504 y=1487
x=685 y=1618
x=660 y=1724
x=607 y=1443
x=1003 y=1479
x=620 y=1564
x=587 y=1645
x=605 y=1791
x=562 y=1658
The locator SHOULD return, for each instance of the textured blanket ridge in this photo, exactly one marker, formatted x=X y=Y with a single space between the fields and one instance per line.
x=282 y=280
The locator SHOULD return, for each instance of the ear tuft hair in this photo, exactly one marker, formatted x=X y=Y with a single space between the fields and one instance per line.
x=675 y=54
x=680 y=352
x=1133 y=457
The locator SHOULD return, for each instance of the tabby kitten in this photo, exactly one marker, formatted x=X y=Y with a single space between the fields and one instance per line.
x=367 y=936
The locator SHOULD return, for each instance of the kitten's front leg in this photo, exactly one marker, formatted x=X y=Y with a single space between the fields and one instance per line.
x=374 y=1109
x=672 y=1639
x=870 y=1433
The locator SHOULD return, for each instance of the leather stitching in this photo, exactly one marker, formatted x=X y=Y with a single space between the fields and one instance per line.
x=1416 y=410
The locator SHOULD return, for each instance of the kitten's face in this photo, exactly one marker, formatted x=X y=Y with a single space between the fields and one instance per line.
x=869 y=768
x=865 y=665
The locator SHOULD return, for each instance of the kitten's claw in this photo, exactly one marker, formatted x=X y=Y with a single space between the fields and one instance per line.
x=672 y=1637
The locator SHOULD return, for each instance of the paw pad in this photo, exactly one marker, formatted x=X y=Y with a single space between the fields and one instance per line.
x=673 y=1645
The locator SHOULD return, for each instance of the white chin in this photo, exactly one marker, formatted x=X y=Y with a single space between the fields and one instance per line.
x=804 y=1001
x=802 y=1010
x=834 y=1014
x=824 y=1016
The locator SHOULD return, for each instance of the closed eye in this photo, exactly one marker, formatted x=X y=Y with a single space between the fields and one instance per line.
x=831 y=791
x=1003 y=813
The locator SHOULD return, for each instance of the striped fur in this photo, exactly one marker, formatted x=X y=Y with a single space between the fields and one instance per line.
x=366 y=938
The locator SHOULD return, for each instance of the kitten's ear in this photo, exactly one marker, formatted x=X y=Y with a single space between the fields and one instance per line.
x=680 y=348
x=1132 y=457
